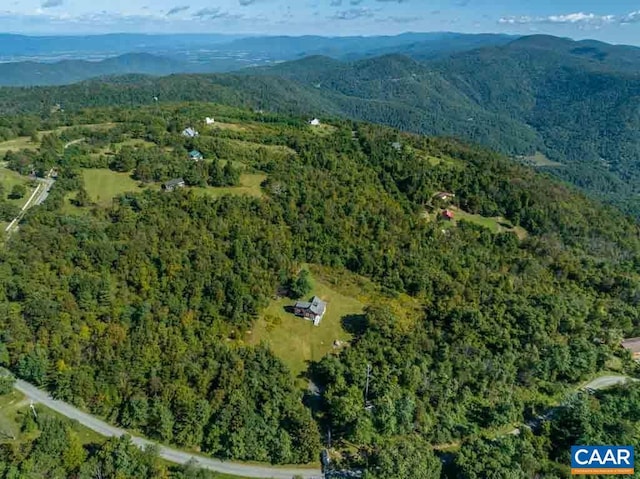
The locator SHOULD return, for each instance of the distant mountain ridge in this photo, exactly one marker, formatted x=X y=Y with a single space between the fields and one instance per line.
x=578 y=103
x=72 y=71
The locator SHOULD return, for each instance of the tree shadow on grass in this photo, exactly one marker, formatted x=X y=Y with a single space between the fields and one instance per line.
x=355 y=324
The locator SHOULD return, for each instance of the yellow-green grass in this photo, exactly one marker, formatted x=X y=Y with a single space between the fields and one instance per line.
x=249 y=185
x=10 y=404
x=227 y=126
x=406 y=309
x=10 y=178
x=251 y=145
x=540 y=159
x=434 y=160
x=16 y=144
x=103 y=185
x=323 y=129
x=86 y=435
x=496 y=224
x=297 y=341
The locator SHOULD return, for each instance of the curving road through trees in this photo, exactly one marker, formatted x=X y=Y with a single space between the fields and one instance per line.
x=167 y=453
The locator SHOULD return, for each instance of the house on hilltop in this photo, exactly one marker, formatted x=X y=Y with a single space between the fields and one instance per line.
x=313 y=310
x=314 y=122
x=444 y=195
x=190 y=132
x=209 y=121
x=195 y=155
x=173 y=184
x=633 y=346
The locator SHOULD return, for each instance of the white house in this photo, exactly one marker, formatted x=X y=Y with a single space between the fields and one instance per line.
x=314 y=122
x=190 y=132
x=209 y=121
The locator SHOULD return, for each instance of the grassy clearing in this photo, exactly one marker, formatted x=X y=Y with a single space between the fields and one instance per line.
x=249 y=185
x=250 y=145
x=323 y=129
x=15 y=405
x=496 y=224
x=10 y=404
x=227 y=126
x=16 y=144
x=8 y=179
x=297 y=341
x=103 y=185
x=540 y=159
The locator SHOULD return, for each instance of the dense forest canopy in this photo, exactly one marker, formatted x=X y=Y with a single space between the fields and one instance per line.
x=137 y=309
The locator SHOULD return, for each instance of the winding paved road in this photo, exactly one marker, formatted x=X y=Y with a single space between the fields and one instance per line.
x=605 y=382
x=169 y=454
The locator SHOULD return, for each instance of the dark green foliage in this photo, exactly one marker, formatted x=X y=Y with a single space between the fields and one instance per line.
x=300 y=285
x=6 y=383
x=8 y=211
x=82 y=198
x=17 y=192
x=408 y=458
x=57 y=452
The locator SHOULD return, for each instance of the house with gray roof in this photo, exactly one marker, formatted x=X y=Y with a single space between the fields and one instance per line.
x=313 y=310
x=190 y=132
x=173 y=184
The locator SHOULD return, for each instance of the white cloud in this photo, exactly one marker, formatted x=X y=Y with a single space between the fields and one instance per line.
x=633 y=17
x=580 y=19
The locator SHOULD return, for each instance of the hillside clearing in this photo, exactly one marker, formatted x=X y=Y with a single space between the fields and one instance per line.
x=295 y=340
x=10 y=178
x=103 y=184
x=539 y=159
x=249 y=185
x=20 y=143
x=496 y=224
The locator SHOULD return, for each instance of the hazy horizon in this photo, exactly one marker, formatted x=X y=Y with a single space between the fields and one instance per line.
x=617 y=21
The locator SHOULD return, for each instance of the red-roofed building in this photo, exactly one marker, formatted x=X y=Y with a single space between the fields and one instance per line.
x=447 y=214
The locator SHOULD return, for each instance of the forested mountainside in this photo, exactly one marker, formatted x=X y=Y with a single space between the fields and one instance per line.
x=576 y=102
x=144 y=308
x=570 y=108
x=71 y=71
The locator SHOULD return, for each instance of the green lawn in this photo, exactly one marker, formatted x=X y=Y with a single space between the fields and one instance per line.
x=249 y=185
x=323 y=129
x=17 y=144
x=8 y=179
x=103 y=184
x=10 y=404
x=13 y=406
x=496 y=224
x=539 y=159
x=295 y=340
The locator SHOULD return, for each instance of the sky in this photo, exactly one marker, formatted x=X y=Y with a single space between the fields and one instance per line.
x=615 y=21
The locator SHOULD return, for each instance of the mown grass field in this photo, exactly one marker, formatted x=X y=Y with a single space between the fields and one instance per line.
x=17 y=144
x=297 y=341
x=496 y=224
x=249 y=185
x=540 y=159
x=8 y=179
x=103 y=184
x=10 y=404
